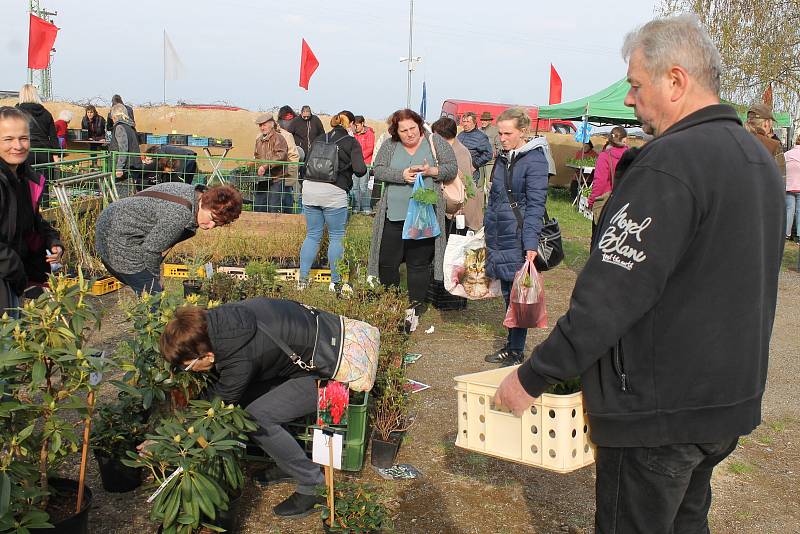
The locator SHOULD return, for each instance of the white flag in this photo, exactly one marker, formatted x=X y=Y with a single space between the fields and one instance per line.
x=173 y=67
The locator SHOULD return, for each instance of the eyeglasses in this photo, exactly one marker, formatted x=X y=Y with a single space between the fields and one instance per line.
x=189 y=367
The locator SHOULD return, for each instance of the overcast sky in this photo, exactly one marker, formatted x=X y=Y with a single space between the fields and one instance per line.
x=247 y=52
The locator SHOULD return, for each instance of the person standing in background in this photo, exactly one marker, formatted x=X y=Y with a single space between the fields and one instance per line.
x=116 y=99
x=42 y=126
x=792 y=158
x=305 y=129
x=477 y=143
x=270 y=194
x=491 y=133
x=62 y=124
x=360 y=192
x=605 y=167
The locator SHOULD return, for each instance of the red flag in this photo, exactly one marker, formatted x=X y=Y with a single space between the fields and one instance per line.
x=41 y=38
x=768 y=95
x=308 y=64
x=555 y=86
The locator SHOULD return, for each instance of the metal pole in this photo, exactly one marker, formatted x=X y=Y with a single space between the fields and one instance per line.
x=410 y=52
x=164 y=65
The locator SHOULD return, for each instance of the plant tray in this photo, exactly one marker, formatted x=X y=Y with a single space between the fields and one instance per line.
x=176 y=270
x=320 y=275
x=156 y=139
x=142 y=137
x=355 y=434
x=104 y=285
x=553 y=434
x=198 y=141
x=236 y=272
x=177 y=139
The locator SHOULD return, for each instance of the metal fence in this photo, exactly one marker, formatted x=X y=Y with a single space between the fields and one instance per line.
x=267 y=186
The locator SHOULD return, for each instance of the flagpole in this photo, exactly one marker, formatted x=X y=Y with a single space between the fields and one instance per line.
x=410 y=52
x=164 y=71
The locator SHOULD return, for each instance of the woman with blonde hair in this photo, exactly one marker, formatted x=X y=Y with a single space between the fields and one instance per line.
x=325 y=201
x=42 y=126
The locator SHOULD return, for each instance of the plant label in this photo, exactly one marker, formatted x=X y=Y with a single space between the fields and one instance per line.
x=163 y=485
x=321 y=453
x=209 y=270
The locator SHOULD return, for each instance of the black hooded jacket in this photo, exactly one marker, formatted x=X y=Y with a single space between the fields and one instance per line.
x=245 y=357
x=670 y=320
x=24 y=235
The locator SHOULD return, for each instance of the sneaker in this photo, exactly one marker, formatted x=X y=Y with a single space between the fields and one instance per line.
x=504 y=355
x=515 y=359
x=270 y=476
x=412 y=320
x=298 y=505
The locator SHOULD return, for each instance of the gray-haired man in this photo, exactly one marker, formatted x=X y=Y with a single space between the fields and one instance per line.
x=670 y=320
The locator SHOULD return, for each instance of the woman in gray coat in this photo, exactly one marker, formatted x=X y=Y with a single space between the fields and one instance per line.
x=410 y=150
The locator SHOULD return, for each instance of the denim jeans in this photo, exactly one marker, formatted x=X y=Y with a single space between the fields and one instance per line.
x=516 y=336
x=139 y=282
x=316 y=220
x=657 y=490
x=360 y=194
x=275 y=197
x=792 y=212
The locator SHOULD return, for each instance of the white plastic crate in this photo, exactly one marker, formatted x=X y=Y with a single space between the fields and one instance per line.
x=236 y=272
x=553 y=434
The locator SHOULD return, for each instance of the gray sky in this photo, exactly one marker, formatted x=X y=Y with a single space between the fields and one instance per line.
x=247 y=52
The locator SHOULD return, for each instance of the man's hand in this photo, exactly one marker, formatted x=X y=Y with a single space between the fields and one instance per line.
x=530 y=255
x=261 y=170
x=511 y=395
x=57 y=252
x=142 y=447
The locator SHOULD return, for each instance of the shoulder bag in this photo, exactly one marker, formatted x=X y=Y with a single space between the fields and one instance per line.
x=454 y=191
x=550 y=251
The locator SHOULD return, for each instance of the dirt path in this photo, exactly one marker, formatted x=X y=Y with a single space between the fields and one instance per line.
x=462 y=492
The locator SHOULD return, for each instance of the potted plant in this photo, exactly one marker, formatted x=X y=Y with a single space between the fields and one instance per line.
x=358 y=508
x=48 y=370
x=148 y=376
x=195 y=459
x=193 y=282
x=390 y=417
x=116 y=429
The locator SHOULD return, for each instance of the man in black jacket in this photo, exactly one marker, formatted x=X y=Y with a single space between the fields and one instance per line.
x=253 y=371
x=670 y=321
x=305 y=129
x=24 y=235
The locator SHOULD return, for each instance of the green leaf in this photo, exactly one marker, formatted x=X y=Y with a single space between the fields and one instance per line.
x=5 y=493
x=38 y=373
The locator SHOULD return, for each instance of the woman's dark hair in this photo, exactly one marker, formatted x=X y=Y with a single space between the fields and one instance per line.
x=185 y=337
x=116 y=99
x=446 y=127
x=403 y=115
x=91 y=108
x=591 y=145
x=359 y=119
x=10 y=112
x=224 y=202
x=284 y=111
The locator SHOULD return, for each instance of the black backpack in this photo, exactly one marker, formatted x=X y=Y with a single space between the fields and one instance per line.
x=323 y=160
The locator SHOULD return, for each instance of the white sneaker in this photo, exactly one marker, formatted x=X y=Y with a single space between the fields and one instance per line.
x=412 y=321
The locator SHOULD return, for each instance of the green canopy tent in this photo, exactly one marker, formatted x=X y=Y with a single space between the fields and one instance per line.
x=607 y=107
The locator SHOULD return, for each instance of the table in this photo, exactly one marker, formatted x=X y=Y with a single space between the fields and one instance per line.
x=582 y=175
x=216 y=161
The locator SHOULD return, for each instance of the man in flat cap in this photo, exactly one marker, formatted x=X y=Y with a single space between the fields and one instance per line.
x=270 y=194
x=759 y=123
x=491 y=132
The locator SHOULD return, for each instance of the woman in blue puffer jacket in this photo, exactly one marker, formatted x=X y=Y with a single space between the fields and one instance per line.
x=510 y=242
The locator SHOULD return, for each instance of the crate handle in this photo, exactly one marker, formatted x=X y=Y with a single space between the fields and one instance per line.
x=500 y=409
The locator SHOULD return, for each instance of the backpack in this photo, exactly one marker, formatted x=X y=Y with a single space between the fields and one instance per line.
x=454 y=191
x=323 y=160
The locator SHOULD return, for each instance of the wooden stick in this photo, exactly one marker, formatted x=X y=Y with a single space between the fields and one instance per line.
x=329 y=470
x=85 y=452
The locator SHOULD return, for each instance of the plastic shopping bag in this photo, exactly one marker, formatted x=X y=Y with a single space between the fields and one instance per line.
x=465 y=268
x=421 y=222
x=522 y=313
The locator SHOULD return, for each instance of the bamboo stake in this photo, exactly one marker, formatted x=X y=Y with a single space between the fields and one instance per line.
x=85 y=452
x=329 y=479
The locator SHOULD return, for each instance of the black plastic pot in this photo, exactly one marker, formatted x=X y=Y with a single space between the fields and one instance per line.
x=192 y=287
x=384 y=452
x=76 y=524
x=116 y=476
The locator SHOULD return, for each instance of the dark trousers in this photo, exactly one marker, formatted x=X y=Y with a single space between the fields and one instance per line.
x=139 y=282
x=656 y=490
x=417 y=254
x=283 y=403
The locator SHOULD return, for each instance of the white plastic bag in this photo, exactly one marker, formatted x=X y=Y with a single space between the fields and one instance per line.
x=465 y=268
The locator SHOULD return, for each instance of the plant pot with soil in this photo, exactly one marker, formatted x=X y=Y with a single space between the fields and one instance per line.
x=46 y=367
x=118 y=428
x=390 y=417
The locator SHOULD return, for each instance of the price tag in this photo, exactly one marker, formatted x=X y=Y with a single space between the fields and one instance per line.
x=321 y=453
x=163 y=485
x=96 y=377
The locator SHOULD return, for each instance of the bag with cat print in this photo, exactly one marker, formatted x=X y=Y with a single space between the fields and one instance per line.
x=465 y=268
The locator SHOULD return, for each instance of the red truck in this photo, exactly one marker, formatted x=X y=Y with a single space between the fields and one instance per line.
x=455 y=108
